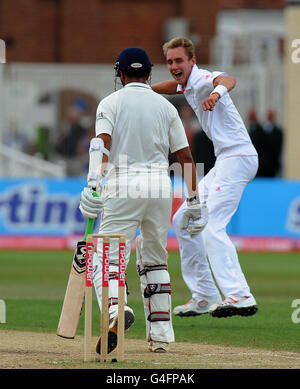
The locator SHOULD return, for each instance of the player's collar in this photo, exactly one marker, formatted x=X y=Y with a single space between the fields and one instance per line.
x=139 y=84
x=191 y=77
x=181 y=88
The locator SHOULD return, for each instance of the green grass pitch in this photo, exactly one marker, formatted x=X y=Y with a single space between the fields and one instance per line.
x=33 y=283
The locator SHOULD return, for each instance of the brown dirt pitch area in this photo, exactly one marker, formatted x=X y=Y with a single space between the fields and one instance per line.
x=30 y=350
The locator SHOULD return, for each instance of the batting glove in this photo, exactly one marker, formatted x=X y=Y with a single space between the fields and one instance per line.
x=194 y=217
x=198 y=225
x=90 y=206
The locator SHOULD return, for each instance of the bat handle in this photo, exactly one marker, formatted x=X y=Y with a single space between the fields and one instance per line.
x=89 y=228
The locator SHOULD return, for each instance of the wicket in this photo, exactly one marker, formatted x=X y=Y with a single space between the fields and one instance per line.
x=105 y=284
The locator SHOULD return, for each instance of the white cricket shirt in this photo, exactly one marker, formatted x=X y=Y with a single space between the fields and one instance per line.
x=224 y=125
x=143 y=126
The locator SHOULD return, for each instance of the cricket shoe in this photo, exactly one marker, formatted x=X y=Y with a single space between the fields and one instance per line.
x=195 y=307
x=158 y=347
x=113 y=330
x=242 y=306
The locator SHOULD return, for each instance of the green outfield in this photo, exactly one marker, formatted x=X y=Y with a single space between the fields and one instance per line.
x=32 y=285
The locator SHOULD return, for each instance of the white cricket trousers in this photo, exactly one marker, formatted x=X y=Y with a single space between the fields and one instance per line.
x=222 y=188
x=130 y=202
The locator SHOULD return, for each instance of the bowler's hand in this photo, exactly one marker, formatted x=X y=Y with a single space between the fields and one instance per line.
x=209 y=103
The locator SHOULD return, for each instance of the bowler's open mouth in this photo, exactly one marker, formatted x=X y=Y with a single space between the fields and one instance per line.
x=177 y=75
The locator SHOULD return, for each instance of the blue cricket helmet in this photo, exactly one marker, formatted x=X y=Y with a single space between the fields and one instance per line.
x=133 y=59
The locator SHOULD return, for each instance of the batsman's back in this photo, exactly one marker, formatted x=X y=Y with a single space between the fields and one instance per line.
x=143 y=125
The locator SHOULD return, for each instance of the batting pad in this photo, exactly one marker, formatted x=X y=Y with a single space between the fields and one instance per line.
x=157 y=307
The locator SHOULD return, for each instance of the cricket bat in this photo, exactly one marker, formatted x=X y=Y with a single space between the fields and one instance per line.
x=74 y=297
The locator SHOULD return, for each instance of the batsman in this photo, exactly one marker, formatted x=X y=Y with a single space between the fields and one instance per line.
x=135 y=129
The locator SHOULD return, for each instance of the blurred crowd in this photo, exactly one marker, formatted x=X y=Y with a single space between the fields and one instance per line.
x=266 y=136
x=71 y=143
x=67 y=143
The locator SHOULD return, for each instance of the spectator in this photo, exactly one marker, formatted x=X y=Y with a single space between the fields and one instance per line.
x=267 y=140
x=273 y=148
x=69 y=140
x=254 y=124
x=256 y=133
x=71 y=143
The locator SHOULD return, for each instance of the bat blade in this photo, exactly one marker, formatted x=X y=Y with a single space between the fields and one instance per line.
x=74 y=297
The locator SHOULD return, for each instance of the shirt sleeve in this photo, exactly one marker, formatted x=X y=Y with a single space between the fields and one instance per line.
x=177 y=135
x=204 y=84
x=105 y=122
x=209 y=78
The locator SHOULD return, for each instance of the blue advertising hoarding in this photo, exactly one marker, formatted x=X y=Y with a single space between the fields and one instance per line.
x=41 y=207
x=48 y=208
